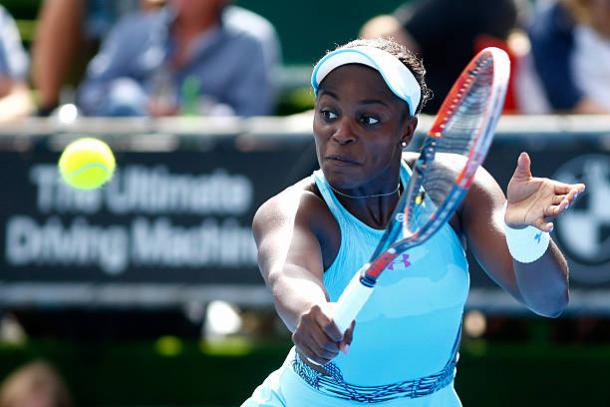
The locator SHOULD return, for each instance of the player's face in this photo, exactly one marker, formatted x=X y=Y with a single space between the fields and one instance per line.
x=359 y=127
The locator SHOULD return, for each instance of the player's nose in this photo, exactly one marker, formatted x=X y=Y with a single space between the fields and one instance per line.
x=343 y=133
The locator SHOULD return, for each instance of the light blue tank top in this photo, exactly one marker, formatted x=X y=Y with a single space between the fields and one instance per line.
x=409 y=326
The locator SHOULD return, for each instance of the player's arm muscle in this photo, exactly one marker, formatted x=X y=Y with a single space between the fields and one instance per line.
x=541 y=285
x=483 y=218
x=289 y=254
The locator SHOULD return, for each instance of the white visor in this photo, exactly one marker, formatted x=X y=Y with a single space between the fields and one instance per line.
x=396 y=75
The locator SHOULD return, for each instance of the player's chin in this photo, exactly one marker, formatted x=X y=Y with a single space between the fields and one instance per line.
x=341 y=177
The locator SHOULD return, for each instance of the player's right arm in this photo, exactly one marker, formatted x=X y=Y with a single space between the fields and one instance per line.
x=291 y=262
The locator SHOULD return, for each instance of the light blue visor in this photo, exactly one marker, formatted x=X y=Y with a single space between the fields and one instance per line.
x=396 y=75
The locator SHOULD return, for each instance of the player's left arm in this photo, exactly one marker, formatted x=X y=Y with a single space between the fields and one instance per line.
x=541 y=285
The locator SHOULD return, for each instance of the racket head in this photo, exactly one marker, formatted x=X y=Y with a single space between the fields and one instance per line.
x=452 y=152
x=456 y=145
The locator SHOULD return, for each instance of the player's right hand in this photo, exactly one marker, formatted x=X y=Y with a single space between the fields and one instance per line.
x=317 y=338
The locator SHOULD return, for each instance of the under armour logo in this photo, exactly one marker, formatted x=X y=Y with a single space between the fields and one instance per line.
x=403 y=258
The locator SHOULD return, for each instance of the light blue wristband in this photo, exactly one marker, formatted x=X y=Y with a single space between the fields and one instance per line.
x=528 y=244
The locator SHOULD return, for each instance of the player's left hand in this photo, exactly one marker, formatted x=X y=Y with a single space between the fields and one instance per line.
x=536 y=201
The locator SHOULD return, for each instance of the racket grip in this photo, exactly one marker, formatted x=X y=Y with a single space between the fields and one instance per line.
x=351 y=301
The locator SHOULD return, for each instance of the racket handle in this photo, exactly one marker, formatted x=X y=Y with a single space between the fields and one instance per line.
x=351 y=301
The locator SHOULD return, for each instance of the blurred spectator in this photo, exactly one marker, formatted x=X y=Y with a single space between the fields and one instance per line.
x=201 y=57
x=446 y=34
x=15 y=100
x=571 y=48
x=36 y=384
x=66 y=32
x=11 y=330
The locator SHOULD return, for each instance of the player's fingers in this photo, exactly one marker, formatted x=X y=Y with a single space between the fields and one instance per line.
x=347 y=340
x=304 y=336
x=544 y=225
x=560 y=188
x=309 y=335
x=332 y=331
x=325 y=349
x=322 y=317
x=567 y=201
x=306 y=339
x=557 y=199
x=321 y=343
x=523 y=170
x=574 y=195
x=563 y=188
x=309 y=355
x=552 y=211
x=580 y=187
x=349 y=334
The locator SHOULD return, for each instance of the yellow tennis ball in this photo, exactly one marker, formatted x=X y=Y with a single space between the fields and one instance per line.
x=86 y=163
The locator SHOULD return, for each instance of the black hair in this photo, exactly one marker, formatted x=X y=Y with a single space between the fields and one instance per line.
x=412 y=62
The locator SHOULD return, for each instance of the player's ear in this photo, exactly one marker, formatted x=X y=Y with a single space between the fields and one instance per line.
x=408 y=129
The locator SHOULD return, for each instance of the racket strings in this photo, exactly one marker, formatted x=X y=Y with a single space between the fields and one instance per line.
x=438 y=186
x=460 y=132
x=462 y=128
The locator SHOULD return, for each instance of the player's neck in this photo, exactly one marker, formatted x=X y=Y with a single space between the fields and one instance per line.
x=367 y=196
x=375 y=211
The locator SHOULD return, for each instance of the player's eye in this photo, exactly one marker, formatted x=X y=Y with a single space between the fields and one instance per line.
x=369 y=120
x=328 y=115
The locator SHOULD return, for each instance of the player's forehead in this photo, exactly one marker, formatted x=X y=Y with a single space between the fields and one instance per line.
x=397 y=76
x=356 y=81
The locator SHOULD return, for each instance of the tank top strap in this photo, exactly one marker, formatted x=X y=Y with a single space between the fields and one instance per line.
x=329 y=196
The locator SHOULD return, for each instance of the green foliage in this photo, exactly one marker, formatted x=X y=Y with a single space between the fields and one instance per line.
x=224 y=374
x=307 y=29
x=22 y=9
x=295 y=101
x=27 y=29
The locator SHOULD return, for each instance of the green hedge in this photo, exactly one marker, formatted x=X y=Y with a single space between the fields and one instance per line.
x=174 y=373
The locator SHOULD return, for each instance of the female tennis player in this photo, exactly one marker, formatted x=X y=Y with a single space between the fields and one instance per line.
x=313 y=236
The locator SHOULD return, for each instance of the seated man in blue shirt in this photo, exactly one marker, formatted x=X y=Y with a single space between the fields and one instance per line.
x=192 y=57
x=68 y=32
x=15 y=98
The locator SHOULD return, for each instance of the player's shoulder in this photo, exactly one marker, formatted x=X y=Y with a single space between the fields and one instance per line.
x=300 y=204
x=483 y=186
x=299 y=208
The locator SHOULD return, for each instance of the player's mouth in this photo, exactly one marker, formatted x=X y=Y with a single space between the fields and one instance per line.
x=342 y=160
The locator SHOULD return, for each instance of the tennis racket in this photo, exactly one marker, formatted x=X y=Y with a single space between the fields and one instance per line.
x=461 y=134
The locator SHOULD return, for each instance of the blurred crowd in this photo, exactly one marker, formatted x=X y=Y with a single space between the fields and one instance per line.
x=213 y=58
x=150 y=57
